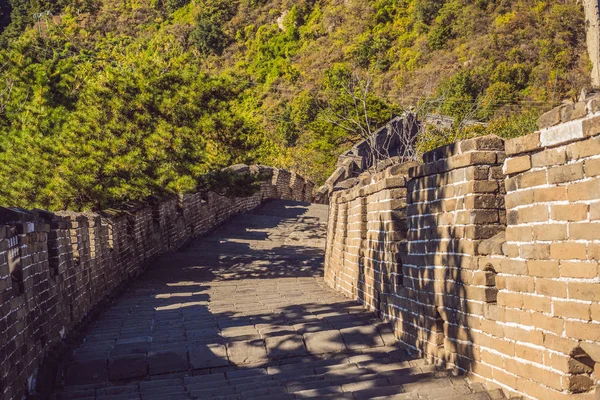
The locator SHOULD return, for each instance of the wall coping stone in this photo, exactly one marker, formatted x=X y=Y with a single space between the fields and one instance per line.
x=558 y=135
x=488 y=142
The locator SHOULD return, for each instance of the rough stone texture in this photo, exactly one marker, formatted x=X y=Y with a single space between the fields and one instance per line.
x=563 y=133
x=260 y=274
x=496 y=275
x=57 y=269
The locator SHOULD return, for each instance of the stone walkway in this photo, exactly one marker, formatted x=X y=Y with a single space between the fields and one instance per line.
x=244 y=314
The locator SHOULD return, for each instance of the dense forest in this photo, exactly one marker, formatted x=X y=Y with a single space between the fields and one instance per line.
x=103 y=101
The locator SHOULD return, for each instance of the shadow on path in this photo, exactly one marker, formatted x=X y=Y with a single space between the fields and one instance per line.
x=244 y=313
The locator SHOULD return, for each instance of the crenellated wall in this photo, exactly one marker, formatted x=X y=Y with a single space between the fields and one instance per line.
x=485 y=256
x=56 y=269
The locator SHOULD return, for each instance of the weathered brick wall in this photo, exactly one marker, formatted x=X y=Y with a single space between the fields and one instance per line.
x=281 y=181
x=547 y=317
x=367 y=234
x=485 y=256
x=56 y=268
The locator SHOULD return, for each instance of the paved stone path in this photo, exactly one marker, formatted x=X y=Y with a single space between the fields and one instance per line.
x=244 y=314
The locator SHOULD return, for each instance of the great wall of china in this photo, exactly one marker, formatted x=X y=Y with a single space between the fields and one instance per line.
x=485 y=256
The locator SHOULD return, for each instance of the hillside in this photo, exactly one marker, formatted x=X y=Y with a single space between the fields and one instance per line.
x=103 y=101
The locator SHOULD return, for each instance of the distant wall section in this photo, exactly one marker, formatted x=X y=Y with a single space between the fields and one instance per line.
x=55 y=269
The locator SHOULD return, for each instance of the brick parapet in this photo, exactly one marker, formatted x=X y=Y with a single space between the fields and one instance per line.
x=495 y=258
x=547 y=261
x=57 y=269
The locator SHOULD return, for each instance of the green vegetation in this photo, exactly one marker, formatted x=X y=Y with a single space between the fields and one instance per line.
x=103 y=101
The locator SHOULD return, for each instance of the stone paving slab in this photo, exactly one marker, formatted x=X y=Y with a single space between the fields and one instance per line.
x=245 y=314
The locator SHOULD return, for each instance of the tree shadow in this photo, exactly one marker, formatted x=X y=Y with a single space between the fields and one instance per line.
x=410 y=271
x=250 y=318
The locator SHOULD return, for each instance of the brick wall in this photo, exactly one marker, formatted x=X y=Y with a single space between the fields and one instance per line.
x=55 y=269
x=485 y=257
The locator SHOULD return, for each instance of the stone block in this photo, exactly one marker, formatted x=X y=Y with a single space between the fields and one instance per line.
x=285 y=346
x=588 y=190
x=591 y=126
x=568 y=251
x=167 y=361
x=207 y=356
x=550 y=232
x=565 y=173
x=562 y=134
x=593 y=105
x=324 y=342
x=579 y=110
x=551 y=118
x=492 y=246
x=516 y=165
x=523 y=144
x=361 y=337
x=246 y=352
x=127 y=367
x=569 y=212
x=549 y=157
x=85 y=372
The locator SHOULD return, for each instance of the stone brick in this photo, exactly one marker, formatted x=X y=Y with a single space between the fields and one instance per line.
x=86 y=372
x=570 y=309
x=593 y=251
x=208 y=356
x=553 y=324
x=519 y=283
x=246 y=352
x=162 y=362
x=591 y=126
x=560 y=344
x=509 y=266
x=285 y=346
x=535 y=213
x=584 y=291
x=576 y=269
x=584 y=231
x=517 y=164
x=595 y=311
x=520 y=233
x=583 y=331
x=569 y=212
x=565 y=173
x=568 y=251
x=550 y=287
x=324 y=342
x=550 y=232
x=127 y=367
x=550 y=118
x=543 y=195
x=535 y=251
x=543 y=268
x=563 y=133
x=531 y=179
x=522 y=144
x=489 y=142
x=522 y=197
x=537 y=303
x=584 y=148
x=592 y=167
x=579 y=110
x=595 y=211
x=588 y=190
x=549 y=157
